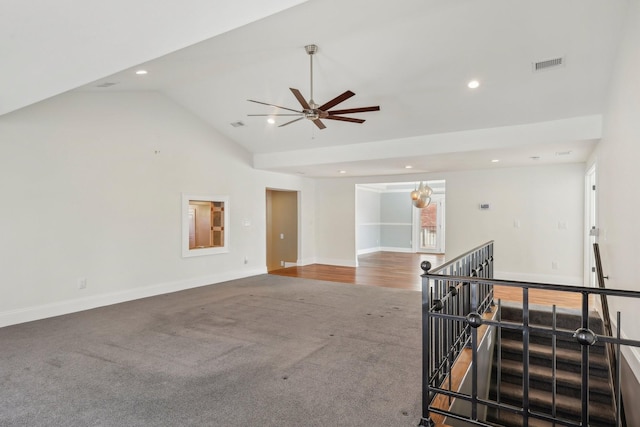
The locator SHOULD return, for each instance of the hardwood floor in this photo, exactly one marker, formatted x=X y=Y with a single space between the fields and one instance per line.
x=402 y=271
x=386 y=269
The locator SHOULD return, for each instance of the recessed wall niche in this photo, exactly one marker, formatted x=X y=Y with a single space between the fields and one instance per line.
x=205 y=225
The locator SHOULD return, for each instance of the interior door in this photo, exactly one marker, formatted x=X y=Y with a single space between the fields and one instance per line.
x=428 y=225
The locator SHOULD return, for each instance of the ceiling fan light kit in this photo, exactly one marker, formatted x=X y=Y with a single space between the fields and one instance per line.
x=311 y=110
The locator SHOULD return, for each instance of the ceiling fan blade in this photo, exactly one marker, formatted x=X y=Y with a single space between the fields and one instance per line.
x=345 y=119
x=319 y=123
x=337 y=100
x=288 y=123
x=354 y=110
x=273 y=105
x=269 y=115
x=300 y=98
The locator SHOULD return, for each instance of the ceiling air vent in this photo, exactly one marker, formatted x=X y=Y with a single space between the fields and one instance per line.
x=549 y=63
x=237 y=124
x=106 y=84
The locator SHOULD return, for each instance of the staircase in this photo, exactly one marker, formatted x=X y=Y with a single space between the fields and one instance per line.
x=568 y=404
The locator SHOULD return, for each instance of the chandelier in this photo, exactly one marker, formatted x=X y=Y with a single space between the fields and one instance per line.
x=421 y=196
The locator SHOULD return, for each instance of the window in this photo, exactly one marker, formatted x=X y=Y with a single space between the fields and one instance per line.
x=205 y=225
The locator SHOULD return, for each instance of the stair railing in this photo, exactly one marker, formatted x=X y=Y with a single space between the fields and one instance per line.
x=454 y=297
x=444 y=300
x=614 y=359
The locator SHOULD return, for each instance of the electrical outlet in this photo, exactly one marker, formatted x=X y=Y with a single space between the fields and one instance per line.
x=554 y=265
x=82 y=283
x=281 y=263
x=246 y=260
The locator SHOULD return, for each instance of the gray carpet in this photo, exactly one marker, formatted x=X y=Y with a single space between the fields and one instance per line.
x=262 y=351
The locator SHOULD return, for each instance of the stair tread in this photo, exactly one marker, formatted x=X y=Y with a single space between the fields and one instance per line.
x=565 y=404
x=562 y=377
x=561 y=353
x=511 y=419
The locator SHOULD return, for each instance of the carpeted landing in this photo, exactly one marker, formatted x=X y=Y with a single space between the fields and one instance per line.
x=262 y=351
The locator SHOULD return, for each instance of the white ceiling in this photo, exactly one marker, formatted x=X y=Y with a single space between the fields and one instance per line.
x=411 y=57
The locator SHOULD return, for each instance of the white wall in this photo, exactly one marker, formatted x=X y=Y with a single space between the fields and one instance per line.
x=367 y=220
x=540 y=198
x=336 y=222
x=528 y=209
x=618 y=190
x=91 y=187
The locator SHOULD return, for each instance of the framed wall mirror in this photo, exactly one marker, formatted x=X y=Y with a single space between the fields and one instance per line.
x=205 y=225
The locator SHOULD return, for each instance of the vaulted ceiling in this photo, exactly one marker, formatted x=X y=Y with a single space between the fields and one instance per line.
x=414 y=58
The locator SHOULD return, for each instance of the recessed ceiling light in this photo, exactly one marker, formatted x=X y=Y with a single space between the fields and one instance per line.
x=141 y=72
x=563 y=153
x=495 y=160
x=408 y=167
x=271 y=120
x=343 y=172
x=473 y=84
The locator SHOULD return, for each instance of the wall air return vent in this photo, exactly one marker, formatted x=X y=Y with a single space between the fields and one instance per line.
x=547 y=64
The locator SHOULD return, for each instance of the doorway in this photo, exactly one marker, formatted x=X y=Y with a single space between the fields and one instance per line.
x=428 y=227
x=591 y=226
x=282 y=228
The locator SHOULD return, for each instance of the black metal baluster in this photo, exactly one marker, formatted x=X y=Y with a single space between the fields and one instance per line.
x=553 y=365
x=525 y=357
x=618 y=385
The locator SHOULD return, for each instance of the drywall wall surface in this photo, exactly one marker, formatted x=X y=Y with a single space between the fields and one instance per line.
x=336 y=222
x=92 y=187
x=535 y=215
x=396 y=220
x=368 y=220
x=616 y=161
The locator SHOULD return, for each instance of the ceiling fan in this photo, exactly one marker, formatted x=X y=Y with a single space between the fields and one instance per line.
x=314 y=112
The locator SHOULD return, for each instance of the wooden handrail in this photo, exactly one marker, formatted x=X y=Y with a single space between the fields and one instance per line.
x=613 y=363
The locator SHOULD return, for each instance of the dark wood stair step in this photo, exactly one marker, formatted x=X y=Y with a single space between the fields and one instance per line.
x=569 y=319
x=509 y=419
x=564 y=378
x=562 y=341
x=567 y=407
x=513 y=350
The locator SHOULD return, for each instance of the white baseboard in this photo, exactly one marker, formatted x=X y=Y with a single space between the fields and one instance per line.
x=44 y=311
x=539 y=278
x=368 y=251
x=392 y=249
x=290 y=264
x=337 y=262
x=384 y=249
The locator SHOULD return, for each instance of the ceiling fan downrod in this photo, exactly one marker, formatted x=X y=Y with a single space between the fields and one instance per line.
x=311 y=49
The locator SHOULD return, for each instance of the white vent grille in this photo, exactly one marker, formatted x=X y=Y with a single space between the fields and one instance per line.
x=237 y=124
x=549 y=63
